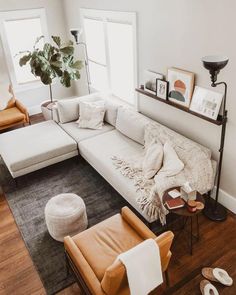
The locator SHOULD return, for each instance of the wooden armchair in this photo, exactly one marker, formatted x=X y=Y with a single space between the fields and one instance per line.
x=15 y=113
x=92 y=253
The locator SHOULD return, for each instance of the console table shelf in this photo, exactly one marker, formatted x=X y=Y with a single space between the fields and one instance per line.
x=218 y=122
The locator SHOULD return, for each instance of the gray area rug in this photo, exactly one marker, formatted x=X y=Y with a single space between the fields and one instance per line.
x=27 y=201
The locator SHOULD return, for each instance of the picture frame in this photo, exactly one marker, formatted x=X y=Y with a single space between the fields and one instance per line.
x=181 y=86
x=206 y=102
x=150 y=78
x=162 y=88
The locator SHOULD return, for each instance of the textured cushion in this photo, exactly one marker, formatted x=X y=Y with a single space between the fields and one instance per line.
x=153 y=158
x=11 y=116
x=31 y=145
x=172 y=165
x=98 y=152
x=65 y=214
x=81 y=133
x=111 y=112
x=68 y=110
x=131 y=124
x=91 y=115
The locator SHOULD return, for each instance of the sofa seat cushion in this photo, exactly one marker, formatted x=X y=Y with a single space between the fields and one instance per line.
x=79 y=134
x=31 y=145
x=11 y=116
x=98 y=152
x=101 y=244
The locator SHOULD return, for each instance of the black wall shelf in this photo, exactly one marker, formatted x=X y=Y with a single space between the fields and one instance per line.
x=218 y=122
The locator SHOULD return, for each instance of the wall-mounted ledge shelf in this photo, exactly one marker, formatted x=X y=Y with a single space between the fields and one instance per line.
x=218 y=122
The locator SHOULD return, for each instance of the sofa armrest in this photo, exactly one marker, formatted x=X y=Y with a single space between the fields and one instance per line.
x=23 y=109
x=137 y=224
x=83 y=267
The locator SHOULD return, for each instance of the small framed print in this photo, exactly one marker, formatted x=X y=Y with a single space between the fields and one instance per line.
x=206 y=102
x=150 y=78
x=162 y=89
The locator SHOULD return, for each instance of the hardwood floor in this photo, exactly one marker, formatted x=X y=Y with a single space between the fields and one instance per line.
x=216 y=247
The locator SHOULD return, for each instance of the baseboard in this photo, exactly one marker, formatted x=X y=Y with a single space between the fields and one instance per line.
x=34 y=110
x=226 y=200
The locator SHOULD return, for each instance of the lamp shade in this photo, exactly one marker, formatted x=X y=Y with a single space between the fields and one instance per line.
x=76 y=33
x=214 y=63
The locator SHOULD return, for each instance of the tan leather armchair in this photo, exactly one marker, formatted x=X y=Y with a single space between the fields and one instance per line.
x=14 y=114
x=92 y=253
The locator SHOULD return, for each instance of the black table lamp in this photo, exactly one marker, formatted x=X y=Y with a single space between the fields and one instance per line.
x=215 y=64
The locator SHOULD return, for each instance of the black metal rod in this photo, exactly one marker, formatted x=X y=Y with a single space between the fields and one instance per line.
x=86 y=64
x=222 y=142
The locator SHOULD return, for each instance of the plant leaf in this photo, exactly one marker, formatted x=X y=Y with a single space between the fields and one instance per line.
x=37 y=41
x=65 y=79
x=78 y=65
x=68 y=50
x=57 y=40
x=24 y=59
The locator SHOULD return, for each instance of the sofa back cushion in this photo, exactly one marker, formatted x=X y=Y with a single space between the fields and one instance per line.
x=131 y=123
x=111 y=112
x=68 y=109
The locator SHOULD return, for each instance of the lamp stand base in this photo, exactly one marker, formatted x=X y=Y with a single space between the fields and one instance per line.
x=215 y=213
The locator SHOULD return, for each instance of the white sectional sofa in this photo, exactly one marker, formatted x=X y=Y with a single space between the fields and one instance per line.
x=28 y=149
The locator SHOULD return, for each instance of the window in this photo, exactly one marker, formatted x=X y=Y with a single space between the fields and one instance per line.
x=19 y=31
x=111 y=44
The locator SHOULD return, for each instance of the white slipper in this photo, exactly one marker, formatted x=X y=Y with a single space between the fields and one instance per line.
x=207 y=288
x=217 y=275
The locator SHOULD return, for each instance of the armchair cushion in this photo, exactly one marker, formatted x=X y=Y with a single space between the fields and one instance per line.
x=11 y=116
x=101 y=244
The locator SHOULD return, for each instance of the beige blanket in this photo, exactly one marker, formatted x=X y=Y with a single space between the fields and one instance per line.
x=198 y=170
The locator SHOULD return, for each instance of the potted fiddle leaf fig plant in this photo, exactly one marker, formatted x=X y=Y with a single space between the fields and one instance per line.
x=55 y=61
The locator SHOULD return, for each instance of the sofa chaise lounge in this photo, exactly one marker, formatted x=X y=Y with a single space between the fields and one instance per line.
x=34 y=147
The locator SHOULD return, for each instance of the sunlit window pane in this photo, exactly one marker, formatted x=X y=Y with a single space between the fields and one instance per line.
x=21 y=35
x=98 y=76
x=121 y=54
x=95 y=40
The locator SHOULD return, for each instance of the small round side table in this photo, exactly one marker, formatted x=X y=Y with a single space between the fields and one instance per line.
x=186 y=215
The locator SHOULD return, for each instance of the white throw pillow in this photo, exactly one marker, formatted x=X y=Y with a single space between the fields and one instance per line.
x=172 y=165
x=153 y=159
x=68 y=110
x=91 y=115
x=131 y=124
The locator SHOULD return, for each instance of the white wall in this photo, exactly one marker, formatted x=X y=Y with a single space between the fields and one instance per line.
x=56 y=26
x=178 y=33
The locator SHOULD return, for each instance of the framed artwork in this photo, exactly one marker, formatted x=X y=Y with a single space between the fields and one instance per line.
x=181 y=84
x=206 y=102
x=150 y=79
x=162 y=88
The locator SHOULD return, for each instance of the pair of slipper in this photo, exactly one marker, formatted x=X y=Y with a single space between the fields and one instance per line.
x=218 y=275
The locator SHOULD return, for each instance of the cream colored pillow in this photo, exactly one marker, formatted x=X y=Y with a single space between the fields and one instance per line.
x=152 y=160
x=91 y=115
x=172 y=165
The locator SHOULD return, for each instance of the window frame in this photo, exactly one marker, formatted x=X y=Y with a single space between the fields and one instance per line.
x=115 y=17
x=12 y=15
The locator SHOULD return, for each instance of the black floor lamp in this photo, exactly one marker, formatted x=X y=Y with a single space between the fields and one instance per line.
x=215 y=64
x=77 y=33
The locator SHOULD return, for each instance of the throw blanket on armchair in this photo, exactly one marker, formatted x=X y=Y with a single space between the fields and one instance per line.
x=198 y=170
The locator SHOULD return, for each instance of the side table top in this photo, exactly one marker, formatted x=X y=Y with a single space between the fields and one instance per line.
x=183 y=211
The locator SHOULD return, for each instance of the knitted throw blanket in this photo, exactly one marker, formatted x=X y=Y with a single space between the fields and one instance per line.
x=198 y=170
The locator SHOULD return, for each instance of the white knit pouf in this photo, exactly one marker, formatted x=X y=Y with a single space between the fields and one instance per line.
x=65 y=214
